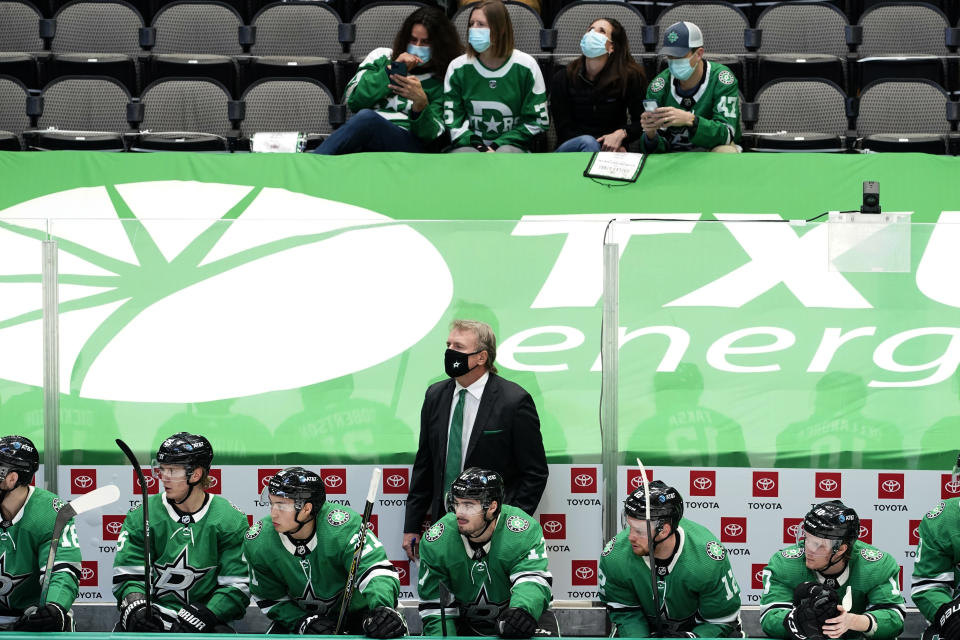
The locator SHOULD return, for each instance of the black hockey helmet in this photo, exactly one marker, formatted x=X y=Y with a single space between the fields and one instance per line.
x=666 y=504
x=482 y=485
x=835 y=521
x=301 y=485
x=189 y=450
x=18 y=453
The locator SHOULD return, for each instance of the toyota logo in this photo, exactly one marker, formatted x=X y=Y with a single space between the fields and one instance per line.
x=396 y=480
x=265 y=480
x=333 y=481
x=891 y=486
x=916 y=532
x=213 y=481
x=83 y=481
x=953 y=486
x=402 y=572
x=114 y=527
x=702 y=483
x=733 y=530
x=370 y=525
x=636 y=482
x=828 y=484
x=583 y=480
x=552 y=526
x=765 y=484
x=87 y=573
x=149 y=481
x=793 y=530
x=864 y=532
x=758 y=576
x=584 y=573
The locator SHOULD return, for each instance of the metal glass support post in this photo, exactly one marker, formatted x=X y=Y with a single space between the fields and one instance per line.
x=609 y=348
x=51 y=367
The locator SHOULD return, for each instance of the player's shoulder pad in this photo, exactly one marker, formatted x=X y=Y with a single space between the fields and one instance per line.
x=659 y=83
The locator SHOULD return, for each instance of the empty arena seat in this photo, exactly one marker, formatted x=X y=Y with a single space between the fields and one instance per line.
x=903 y=115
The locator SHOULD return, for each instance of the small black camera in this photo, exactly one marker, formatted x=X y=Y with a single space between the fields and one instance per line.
x=871 y=197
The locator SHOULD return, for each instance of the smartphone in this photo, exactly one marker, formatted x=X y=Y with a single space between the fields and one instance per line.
x=397 y=68
x=649 y=105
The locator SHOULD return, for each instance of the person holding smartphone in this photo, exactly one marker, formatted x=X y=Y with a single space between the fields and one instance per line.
x=591 y=96
x=494 y=97
x=396 y=93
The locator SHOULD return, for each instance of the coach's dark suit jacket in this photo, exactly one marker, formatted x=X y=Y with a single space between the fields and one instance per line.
x=505 y=438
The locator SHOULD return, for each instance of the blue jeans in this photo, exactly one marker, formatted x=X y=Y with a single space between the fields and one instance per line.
x=369 y=131
x=580 y=143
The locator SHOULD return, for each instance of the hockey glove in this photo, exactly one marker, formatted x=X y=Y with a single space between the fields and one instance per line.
x=806 y=619
x=135 y=617
x=316 y=625
x=195 y=618
x=673 y=634
x=948 y=619
x=50 y=617
x=516 y=623
x=385 y=622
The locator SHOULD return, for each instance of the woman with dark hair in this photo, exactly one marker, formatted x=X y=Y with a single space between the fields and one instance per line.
x=396 y=94
x=590 y=98
x=494 y=96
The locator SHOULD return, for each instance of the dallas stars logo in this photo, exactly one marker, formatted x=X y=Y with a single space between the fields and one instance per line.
x=607 y=548
x=871 y=555
x=178 y=577
x=673 y=36
x=716 y=551
x=310 y=603
x=338 y=517
x=8 y=582
x=517 y=524
x=937 y=510
x=484 y=609
x=434 y=532
x=792 y=553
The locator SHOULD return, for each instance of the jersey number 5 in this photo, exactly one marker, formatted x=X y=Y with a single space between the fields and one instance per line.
x=727 y=105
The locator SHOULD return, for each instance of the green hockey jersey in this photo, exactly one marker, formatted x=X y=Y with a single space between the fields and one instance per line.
x=936 y=580
x=368 y=89
x=871 y=574
x=24 y=546
x=509 y=571
x=196 y=558
x=716 y=103
x=507 y=105
x=697 y=590
x=289 y=581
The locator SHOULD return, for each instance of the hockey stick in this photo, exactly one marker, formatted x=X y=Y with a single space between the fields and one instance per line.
x=444 y=594
x=358 y=553
x=144 y=494
x=653 y=561
x=94 y=500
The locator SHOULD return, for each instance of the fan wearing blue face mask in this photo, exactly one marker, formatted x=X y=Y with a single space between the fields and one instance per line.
x=698 y=101
x=400 y=111
x=591 y=97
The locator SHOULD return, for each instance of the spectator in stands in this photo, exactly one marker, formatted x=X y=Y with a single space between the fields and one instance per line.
x=591 y=96
x=494 y=96
x=399 y=111
x=698 y=102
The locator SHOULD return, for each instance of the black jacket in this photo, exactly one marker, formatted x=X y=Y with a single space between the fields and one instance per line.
x=505 y=438
x=578 y=108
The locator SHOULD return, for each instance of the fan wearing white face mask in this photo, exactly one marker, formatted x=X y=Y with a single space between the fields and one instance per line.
x=698 y=101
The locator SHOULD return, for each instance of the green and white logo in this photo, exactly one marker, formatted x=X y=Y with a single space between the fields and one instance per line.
x=657 y=85
x=937 y=510
x=434 y=532
x=726 y=77
x=871 y=555
x=175 y=291
x=338 y=517
x=673 y=36
x=792 y=553
x=254 y=531
x=716 y=551
x=607 y=548
x=517 y=524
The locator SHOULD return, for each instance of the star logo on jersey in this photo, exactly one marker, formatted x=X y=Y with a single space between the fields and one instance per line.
x=8 y=582
x=716 y=551
x=484 y=609
x=673 y=36
x=792 y=552
x=936 y=511
x=434 y=532
x=492 y=125
x=254 y=530
x=310 y=603
x=517 y=524
x=338 y=517
x=725 y=77
x=178 y=577
x=607 y=548
x=871 y=555
x=657 y=85
x=394 y=103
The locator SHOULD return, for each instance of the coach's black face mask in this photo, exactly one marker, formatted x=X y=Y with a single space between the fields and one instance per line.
x=455 y=362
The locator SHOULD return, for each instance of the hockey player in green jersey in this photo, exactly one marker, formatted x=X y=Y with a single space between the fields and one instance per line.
x=698 y=102
x=697 y=595
x=199 y=578
x=28 y=514
x=399 y=111
x=483 y=565
x=936 y=580
x=494 y=96
x=299 y=557
x=806 y=586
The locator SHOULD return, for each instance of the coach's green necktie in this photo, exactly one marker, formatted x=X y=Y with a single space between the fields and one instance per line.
x=455 y=443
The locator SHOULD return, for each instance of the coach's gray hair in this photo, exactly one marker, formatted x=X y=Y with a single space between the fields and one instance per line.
x=486 y=340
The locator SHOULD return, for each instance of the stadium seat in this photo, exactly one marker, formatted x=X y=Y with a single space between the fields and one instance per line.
x=89 y=113
x=722 y=23
x=573 y=20
x=903 y=115
x=242 y=7
x=19 y=27
x=295 y=39
x=222 y=69
x=527 y=25
x=185 y=114
x=902 y=40
x=13 y=113
x=22 y=66
x=377 y=24
x=288 y=104
x=802 y=40
x=186 y=27
x=795 y=114
x=96 y=38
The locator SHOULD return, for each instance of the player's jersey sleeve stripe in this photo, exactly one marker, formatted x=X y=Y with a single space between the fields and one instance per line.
x=733 y=617
x=532 y=128
x=266 y=605
x=623 y=607
x=432 y=608
x=242 y=584
x=459 y=131
x=384 y=569
x=775 y=605
x=540 y=577
x=68 y=567
x=942 y=581
x=899 y=608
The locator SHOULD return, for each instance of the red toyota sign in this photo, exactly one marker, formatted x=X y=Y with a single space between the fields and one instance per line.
x=153 y=485
x=335 y=480
x=766 y=484
x=88 y=573
x=583 y=573
x=403 y=571
x=949 y=487
x=112 y=526
x=216 y=475
x=792 y=527
x=554 y=525
x=913 y=533
x=634 y=481
x=756 y=575
x=733 y=530
x=263 y=478
x=703 y=483
x=396 y=480
x=374 y=524
x=890 y=486
x=583 y=480
x=83 y=480
x=866 y=530
x=827 y=484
